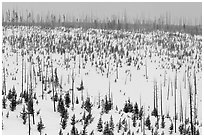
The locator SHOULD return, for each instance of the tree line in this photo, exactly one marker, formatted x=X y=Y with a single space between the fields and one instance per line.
x=14 y=17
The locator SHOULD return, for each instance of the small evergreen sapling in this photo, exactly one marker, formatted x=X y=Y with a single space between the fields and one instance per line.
x=40 y=126
x=111 y=124
x=24 y=115
x=100 y=125
x=148 y=122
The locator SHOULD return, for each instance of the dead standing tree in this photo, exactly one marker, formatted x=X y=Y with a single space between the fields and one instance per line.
x=161 y=100
x=53 y=86
x=195 y=95
x=175 y=117
x=190 y=103
x=22 y=55
x=4 y=82
x=73 y=79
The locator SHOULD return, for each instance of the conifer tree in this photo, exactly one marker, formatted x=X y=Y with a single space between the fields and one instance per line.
x=73 y=120
x=60 y=106
x=125 y=109
x=64 y=123
x=171 y=128
x=4 y=102
x=140 y=113
x=14 y=94
x=134 y=119
x=60 y=132
x=88 y=118
x=13 y=104
x=24 y=115
x=56 y=97
x=77 y=100
x=162 y=122
x=30 y=108
x=74 y=130
x=100 y=125
x=64 y=113
x=155 y=112
x=84 y=131
x=181 y=128
x=10 y=96
x=119 y=125
x=130 y=107
x=106 y=130
x=148 y=122
x=88 y=105
x=129 y=132
x=111 y=124
x=136 y=110
x=67 y=100
x=40 y=126
x=125 y=126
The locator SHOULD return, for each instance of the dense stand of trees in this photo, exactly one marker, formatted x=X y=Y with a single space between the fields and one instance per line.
x=14 y=17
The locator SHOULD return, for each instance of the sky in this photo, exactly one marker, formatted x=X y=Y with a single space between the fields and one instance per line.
x=191 y=11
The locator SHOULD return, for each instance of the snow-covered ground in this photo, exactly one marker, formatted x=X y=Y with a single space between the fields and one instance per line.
x=132 y=83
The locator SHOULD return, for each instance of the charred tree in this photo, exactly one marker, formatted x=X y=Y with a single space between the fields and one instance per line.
x=195 y=94
x=73 y=88
x=191 y=113
x=161 y=100
x=22 y=71
x=175 y=117
x=53 y=89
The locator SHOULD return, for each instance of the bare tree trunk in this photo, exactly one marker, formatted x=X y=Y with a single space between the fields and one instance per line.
x=99 y=101
x=168 y=88
x=161 y=101
x=195 y=107
x=33 y=118
x=175 y=100
x=117 y=71
x=191 y=115
x=31 y=86
x=181 y=113
x=29 y=128
x=141 y=116
x=79 y=64
x=53 y=90
x=27 y=85
x=185 y=78
x=73 y=88
x=146 y=69
x=4 y=83
x=22 y=73
x=185 y=118
x=109 y=90
x=164 y=78
x=42 y=82
x=144 y=122
x=154 y=96
x=34 y=74
x=17 y=58
x=108 y=67
x=46 y=78
x=25 y=70
x=172 y=88
x=82 y=95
